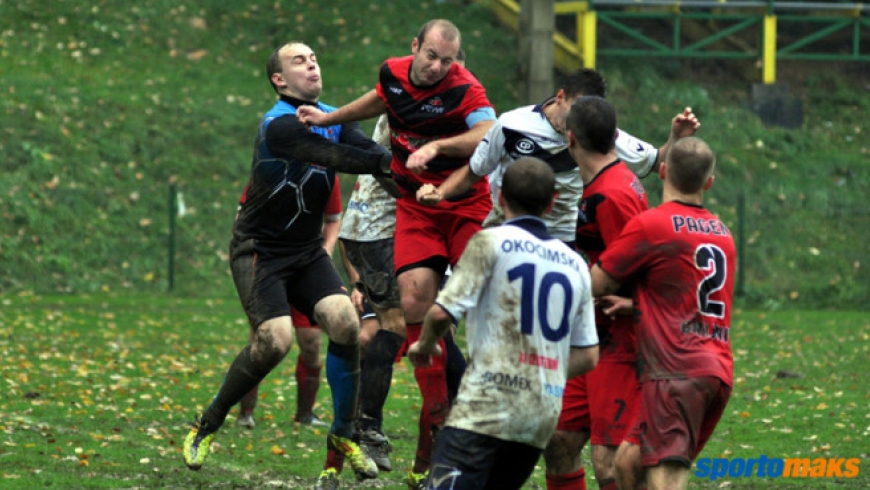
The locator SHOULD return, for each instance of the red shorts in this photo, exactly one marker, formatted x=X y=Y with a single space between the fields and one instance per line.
x=614 y=400
x=575 y=406
x=423 y=232
x=677 y=417
x=300 y=320
x=603 y=402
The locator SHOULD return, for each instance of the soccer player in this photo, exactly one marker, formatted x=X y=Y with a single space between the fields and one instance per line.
x=680 y=259
x=366 y=240
x=277 y=257
x=366 y=234
x=438 y=112
x=308 y=337
x=606 y=399
x=539 y=131
x=530 y=327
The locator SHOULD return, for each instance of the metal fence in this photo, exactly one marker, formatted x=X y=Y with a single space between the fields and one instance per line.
x=763 y=31
x=174 y=237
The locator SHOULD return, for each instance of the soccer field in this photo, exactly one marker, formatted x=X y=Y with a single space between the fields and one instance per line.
x=100 y=391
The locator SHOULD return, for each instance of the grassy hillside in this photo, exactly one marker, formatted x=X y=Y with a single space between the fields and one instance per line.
x=105 y=105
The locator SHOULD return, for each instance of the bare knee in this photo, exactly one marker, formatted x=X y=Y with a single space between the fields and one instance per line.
x=418 y=288
x=668 y=476
x=627 y=466
x=602 y=460
x=271 y=341
x=338 y=318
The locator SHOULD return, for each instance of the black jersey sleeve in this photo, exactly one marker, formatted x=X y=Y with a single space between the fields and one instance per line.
x=353 y=135
x=289 y=139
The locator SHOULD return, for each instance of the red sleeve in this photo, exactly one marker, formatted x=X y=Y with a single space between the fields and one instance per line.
x=626 y=254
x=475 y=98
x=334 y=204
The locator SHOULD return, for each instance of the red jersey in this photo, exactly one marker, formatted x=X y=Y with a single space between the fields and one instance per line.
x=609 y=201
x=680 y=259
x=418 y=115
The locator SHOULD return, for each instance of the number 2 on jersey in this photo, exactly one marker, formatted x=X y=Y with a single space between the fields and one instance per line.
x=711 y=259
x=530 y=311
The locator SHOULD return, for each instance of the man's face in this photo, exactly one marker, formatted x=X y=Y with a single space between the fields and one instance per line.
x=300 y=73
x=433 y=58
x=560 y=113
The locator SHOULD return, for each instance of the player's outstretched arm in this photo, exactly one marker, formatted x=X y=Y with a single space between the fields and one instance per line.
x=458 y=183
x=460 y=146
x=289 y=139
x=683 y=125
x=366 y=106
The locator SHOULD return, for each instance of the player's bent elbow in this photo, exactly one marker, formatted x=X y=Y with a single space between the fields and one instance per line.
x=582 y=360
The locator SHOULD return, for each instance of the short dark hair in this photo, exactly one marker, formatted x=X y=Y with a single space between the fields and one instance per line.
x=274 y=65
x=460 y=56
x=690 y=162
x=584 y=81
x=448 y=28
x=592 y=121
x=528 y=186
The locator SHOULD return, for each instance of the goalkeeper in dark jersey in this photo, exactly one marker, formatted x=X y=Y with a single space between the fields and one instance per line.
x=278 y=261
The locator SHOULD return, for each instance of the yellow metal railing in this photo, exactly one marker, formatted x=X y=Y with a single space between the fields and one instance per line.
x=817 y=21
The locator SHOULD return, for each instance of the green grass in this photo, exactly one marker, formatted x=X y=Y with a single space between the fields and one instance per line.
x=100 y=390
x=106 y=104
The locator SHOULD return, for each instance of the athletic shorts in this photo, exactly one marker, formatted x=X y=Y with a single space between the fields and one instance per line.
x=373 y=262
x=614 y=400
x=468 y=460
x=677 y=418
x=424 y=232
x=575 y=415
x=269 y=284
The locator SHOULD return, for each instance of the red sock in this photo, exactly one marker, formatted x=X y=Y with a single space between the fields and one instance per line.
x=307 y=384
x=249 y=401
x=571 y=481
x=432 y=381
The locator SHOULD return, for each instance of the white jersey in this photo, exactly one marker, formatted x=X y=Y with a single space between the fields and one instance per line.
x=371 y=210
x=526 y=132
x=528 y=300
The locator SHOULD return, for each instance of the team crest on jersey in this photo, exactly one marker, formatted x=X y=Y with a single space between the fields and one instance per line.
x=525 y=146
x=638 y=188
x=435 y=106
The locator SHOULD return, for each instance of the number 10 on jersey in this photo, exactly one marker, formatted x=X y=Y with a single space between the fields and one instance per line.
x=536 y=295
